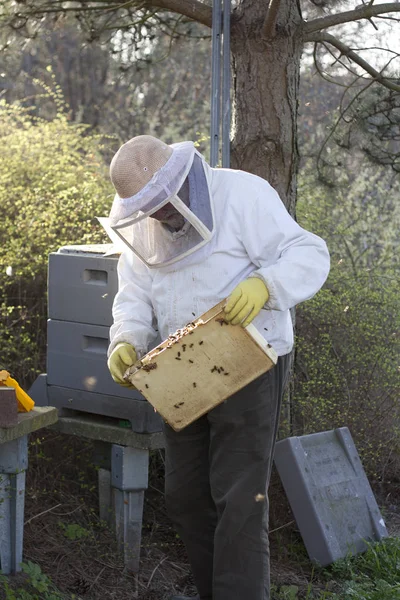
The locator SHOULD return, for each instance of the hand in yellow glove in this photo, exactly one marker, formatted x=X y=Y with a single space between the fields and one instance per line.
x=122 y=357
x=246 y=301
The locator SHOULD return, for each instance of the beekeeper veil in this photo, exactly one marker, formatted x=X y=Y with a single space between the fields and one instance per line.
x=151 y=179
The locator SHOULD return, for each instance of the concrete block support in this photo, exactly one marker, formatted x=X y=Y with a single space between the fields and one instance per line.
x=129 y=480
x=128 y=515
x=13 y=464
x=105 y=505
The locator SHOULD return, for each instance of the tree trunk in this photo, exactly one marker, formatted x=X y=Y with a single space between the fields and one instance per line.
x=266 y=80
x=266 y=73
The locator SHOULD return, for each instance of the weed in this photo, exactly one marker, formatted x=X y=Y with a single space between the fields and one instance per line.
x=373 y=575
x=381 y=561
x=73 y=531
x=38 y=586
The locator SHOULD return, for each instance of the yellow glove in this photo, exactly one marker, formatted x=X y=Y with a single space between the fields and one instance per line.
x=122 y=357
x=246 y=301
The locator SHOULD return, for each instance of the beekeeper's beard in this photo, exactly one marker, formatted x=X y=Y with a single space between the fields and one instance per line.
x=168 y=215
x=175 y=221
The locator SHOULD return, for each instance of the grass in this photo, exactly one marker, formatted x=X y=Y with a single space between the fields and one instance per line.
x=71 y=555
x=373 y=575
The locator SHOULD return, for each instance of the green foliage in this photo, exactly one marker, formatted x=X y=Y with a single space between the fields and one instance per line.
x=289 y=592
x=38 y=586
x=379 y=590
x=74 y=531
x=373 y=575
x=347 y=370
x=53 y=183
x=381 y=561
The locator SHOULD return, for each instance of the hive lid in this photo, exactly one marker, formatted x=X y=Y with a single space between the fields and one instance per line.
x=97 y=249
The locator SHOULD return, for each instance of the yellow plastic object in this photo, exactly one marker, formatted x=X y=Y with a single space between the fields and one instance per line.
x=25 y=403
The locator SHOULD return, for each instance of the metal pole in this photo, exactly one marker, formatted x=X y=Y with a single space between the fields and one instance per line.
x=226 y=85
x=215 y=82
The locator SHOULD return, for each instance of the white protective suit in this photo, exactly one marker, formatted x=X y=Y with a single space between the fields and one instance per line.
x=254 y=236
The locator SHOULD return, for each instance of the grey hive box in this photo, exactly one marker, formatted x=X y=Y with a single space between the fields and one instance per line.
x=72 y=402
x=82 y=283
x=329 y=494
x=77 y=358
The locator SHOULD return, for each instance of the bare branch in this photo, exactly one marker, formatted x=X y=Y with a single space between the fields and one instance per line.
x=366 y=11
x=382 y=18
x=329 y=77
x=351 y=55
x=270 y=19
x=338 y=59
x=193 y=9
x=380 y=48
x=336 y=125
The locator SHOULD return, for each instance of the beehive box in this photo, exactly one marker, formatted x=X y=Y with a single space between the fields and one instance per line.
x=200 y=366
x=329 y=493
x=82 y=283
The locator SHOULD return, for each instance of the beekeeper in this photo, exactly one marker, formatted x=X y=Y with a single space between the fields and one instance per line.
x=194 y=236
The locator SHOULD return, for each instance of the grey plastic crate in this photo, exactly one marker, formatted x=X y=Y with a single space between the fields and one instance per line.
x=140 y=413
x=82 y=283
x=329 y=494
x=77 y=359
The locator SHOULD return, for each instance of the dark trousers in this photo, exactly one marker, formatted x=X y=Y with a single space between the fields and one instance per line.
x=217 y=475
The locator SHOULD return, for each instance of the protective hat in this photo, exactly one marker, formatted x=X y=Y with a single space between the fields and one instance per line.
x=148 y=174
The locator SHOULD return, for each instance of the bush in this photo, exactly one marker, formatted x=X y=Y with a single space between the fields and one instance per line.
x=347 y=370
x=53 y=184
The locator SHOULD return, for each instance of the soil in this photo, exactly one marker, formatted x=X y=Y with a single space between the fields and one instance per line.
x=64 y=535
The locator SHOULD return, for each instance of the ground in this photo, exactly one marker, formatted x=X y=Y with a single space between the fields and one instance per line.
x=64 y=535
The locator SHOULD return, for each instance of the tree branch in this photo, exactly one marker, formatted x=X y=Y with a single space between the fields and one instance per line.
x=195 y=10
x=351 y=55
x=270 y=20
x=366 y=11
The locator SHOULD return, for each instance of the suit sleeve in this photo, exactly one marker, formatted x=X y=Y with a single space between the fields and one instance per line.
x=292 y=262
x=133 y=313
